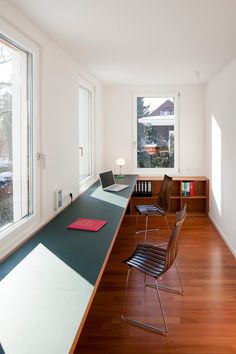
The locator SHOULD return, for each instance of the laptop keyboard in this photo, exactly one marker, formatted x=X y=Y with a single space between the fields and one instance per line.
x=114 y=188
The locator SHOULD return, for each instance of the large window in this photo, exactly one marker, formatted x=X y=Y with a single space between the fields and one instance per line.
x=156 y=133
x=85 y=131
x=16 y=200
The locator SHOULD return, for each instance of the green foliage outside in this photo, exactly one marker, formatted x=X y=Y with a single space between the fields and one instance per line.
x=158 y=160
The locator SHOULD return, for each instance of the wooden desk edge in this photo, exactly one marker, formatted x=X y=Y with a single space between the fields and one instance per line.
x=75 y=341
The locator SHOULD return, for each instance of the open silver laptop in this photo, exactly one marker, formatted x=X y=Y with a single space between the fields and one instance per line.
x=108 y=182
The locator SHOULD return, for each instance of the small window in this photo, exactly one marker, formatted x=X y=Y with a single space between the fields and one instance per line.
x=15 y=133
x=156 y=133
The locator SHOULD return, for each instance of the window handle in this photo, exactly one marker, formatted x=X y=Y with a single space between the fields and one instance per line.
x=40 y=156
x=81 y=151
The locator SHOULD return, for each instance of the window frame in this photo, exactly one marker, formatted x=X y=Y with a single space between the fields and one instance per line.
x=18 y=231
x=83 y=83
x=156 y=171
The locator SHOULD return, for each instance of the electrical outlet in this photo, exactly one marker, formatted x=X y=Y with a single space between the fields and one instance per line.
x=58 y=198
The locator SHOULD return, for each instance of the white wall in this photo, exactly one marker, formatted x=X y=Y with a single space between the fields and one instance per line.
x=220 y=103
x=118 y=117
x=58 y=114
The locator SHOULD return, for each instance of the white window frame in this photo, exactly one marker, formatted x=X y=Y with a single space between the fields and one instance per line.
x=90 y=179
x=17 y=232
x=156 y=171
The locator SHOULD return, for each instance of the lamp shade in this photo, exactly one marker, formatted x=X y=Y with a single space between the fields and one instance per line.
x=120 y=162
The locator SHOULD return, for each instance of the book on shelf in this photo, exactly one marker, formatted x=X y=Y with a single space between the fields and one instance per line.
x=143 y=189
x=191 y=194
x=188 y=189
x=184 y=189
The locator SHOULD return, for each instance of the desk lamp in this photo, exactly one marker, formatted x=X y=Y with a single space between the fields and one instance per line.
x=120 y=162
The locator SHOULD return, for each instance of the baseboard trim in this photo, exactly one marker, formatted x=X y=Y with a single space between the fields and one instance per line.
x=223 y=236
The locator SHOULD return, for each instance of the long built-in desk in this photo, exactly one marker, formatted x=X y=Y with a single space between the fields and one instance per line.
x=48 y=284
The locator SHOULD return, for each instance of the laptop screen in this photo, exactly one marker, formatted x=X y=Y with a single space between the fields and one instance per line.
x=107 y=179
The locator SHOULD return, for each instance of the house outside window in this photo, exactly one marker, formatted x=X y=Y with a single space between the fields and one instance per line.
x=156 y=133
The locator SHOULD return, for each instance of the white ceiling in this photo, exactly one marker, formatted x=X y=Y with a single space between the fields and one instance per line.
x=146 y=42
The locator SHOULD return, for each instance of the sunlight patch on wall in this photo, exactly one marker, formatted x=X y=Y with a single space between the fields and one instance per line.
x=216 y=162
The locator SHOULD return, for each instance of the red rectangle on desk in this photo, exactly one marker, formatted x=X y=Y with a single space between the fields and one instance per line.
x=87 y=224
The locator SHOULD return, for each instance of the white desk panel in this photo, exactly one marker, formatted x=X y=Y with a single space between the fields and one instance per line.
x=41 y=300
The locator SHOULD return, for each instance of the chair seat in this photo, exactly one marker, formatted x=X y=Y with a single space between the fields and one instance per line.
x=148 y=259
x=149 y=210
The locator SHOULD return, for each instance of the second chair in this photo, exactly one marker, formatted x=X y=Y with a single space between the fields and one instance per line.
x=162 y=205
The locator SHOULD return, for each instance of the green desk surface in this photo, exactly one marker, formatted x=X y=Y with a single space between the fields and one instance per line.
x=82 y=251
x=48 y=283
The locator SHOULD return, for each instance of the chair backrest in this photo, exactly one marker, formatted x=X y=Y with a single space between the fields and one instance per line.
x=173 y=244
x=163 y=199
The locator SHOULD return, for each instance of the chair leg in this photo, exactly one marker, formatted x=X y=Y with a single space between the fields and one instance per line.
x=168 y=288
x=124 y=297
x=172 y=290
x=142 y=324
x=146 y=226
x=146 y=230
x=162 y=311
x=167 y=224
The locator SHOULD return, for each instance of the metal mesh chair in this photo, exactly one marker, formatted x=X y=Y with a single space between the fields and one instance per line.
x=161 y=207
x=155 y=261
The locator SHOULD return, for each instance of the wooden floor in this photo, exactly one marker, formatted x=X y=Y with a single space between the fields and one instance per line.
x=203 y=320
